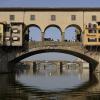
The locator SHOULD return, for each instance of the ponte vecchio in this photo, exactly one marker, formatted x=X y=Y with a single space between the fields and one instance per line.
x=14 y=33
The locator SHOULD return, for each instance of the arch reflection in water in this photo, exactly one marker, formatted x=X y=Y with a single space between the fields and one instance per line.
x=12 y=88
x=49 y=77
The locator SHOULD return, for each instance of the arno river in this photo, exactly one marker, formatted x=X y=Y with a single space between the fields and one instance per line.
x=47 y=81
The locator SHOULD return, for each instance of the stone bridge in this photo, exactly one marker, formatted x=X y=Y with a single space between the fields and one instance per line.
x=73 y=48
x=14 y=55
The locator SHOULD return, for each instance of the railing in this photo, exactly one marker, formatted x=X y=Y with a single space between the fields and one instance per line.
x=72 y=46
x=53 y=44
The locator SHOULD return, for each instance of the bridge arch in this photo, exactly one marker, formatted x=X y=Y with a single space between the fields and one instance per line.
x=75 y=30
x=75 y=25
x=31 y=25
x=91 y=61
x=30 y=29
x=53 y=25
x=53 y=32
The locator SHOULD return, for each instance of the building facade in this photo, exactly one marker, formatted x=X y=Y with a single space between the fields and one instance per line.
x=14 y=22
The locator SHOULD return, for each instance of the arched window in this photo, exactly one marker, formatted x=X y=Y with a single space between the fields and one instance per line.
x=34 y=33
x=52 y=33
x=72 y=33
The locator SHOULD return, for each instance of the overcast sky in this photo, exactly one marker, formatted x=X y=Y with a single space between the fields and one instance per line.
x=49 y=3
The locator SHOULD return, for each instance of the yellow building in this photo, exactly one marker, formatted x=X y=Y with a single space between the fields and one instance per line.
x=91 y=36
x=86 y=20
x=1 y=33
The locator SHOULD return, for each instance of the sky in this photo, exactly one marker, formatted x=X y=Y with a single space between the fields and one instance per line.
x=49 y=3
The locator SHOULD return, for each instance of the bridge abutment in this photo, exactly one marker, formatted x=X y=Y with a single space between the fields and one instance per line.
x=98 y=66
x=6 y=55
x=3 y=62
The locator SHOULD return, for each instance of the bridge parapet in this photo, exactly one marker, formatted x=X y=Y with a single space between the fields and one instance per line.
x=53 y=44
x=71 y=46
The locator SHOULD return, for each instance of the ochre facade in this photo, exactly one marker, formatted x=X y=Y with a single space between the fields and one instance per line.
x=42 y=19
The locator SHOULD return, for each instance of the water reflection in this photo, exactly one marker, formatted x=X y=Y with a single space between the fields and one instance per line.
x=47 y=82
x=54 y=76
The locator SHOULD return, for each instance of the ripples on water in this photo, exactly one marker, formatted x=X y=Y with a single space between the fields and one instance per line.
x=49 y=83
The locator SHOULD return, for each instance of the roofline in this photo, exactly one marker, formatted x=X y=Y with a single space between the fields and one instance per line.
x=47 y=9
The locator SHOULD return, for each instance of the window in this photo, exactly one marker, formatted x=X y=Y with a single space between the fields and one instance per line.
x=92 y=39
x=12 y=17
x=99 y=39
x=15 y=30
x=92 y=31
x=98 y=23
x=94 y=26
x=7 y=38
x=15 y=38
x=98 y=31
x=53 y=17
x=73 y=17
x=7 y=27
x=89 y=31
x=0 y=36
x=32 y=17
x=94 y=18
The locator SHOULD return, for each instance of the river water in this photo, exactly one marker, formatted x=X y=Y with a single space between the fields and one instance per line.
x=48 y=82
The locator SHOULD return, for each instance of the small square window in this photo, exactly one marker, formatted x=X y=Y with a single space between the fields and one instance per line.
x=99 y=39
x=98 y=23
x=94 y=18
x=12 y=17
x=73 y=17
x=53 y=17
x=7 y=28
x=98 y=31
x=32 y=17
x=92 y=39
x=0 y=37
x=89 y=31
x=92 y=31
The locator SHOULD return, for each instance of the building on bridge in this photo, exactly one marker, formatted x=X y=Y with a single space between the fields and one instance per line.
x=14 y=32
x=91 y=35
x=15 y=21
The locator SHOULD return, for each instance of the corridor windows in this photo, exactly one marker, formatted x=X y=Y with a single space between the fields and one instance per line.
x=99 y=39
x=0 y=36
x=92 y=31
x=99 y=31
x=92 y=28
x=15 y=31
x=73 y=17
x=15 y=38
x=12 y=17
x=7 y=28
x=93 y=17
x=98 y=23
x=92 y=39
x=32 y=17
x=53 y=17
